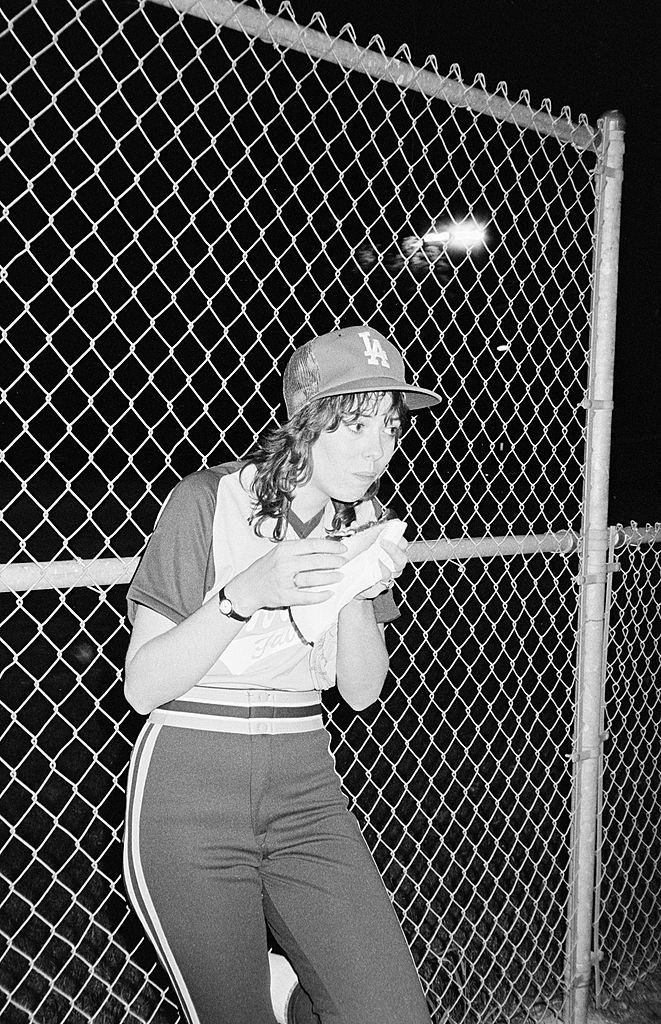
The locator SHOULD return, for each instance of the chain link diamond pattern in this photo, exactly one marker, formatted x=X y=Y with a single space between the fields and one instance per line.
x=630 y=862
x=184 y=203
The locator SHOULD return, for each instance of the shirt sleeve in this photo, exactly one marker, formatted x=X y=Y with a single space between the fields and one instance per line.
x=385 y=607
x=176 y=569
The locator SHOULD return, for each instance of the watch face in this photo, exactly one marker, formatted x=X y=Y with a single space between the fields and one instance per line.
x=226 y=606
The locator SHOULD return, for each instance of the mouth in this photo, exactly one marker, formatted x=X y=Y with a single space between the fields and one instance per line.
x=366 y=479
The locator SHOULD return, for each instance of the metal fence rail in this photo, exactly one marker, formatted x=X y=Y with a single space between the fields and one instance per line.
x=17 y=577
x=190 y=190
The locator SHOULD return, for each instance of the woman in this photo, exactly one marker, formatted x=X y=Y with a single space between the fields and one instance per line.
x=235 y=814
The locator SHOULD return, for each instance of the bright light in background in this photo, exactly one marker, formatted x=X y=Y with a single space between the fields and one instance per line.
x=466 y=235
x=421 y=254
x=436 y=238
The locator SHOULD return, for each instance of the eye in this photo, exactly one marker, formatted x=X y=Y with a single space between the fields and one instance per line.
x=355 y=426
x=394 y=429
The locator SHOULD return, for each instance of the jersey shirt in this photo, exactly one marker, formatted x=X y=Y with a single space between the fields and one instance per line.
x=202 y=539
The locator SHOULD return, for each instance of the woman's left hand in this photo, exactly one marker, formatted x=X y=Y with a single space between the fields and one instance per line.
x=397 y=555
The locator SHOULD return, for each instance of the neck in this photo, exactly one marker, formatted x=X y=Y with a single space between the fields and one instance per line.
x=308 y=502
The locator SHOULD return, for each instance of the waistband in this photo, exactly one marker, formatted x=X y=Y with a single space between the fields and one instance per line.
x=251 y=712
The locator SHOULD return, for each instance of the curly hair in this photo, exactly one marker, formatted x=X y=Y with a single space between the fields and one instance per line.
x=283 y=458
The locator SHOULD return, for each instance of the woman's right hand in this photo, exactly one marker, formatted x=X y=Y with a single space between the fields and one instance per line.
x=285 y=575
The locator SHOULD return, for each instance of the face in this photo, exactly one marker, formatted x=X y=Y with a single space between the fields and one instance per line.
x=346 y=461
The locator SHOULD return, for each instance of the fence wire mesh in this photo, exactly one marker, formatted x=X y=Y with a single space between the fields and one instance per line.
x=184 y=203
x=628 y=918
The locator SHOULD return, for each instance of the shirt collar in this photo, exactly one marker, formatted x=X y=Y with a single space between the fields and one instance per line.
x=302 y=529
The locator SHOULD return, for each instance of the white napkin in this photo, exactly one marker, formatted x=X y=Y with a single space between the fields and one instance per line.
x=360 y=573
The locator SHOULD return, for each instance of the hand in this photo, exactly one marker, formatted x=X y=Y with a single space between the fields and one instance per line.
x=397 y=555
x=285 y=575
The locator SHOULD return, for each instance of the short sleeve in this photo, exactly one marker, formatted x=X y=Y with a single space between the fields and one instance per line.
x=385 y=608
x=175 y=570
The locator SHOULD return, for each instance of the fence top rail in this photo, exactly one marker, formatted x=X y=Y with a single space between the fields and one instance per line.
x=444 y=550
x=17 y=577
x=280 y=31
x=631 y=536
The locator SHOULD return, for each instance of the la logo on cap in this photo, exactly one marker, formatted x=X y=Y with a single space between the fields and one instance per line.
x=374 y=350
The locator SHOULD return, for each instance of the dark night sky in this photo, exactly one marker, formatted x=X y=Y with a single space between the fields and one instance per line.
x=593 y=56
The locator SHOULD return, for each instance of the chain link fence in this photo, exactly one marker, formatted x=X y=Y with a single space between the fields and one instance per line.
x=191 y=190
x=627 y=916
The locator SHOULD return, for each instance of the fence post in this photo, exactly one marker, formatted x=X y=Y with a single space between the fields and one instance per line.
x=593 y=574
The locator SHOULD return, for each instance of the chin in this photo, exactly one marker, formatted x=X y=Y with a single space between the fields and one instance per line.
x=351 y=494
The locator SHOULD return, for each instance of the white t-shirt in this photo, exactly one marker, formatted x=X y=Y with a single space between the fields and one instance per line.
x=202 y=539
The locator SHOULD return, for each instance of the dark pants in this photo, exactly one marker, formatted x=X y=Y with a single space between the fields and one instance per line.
x=226 y=832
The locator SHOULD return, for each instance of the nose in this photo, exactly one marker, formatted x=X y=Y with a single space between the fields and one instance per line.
x=374 y=444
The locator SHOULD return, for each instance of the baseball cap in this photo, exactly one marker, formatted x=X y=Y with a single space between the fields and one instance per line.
x=350 y=359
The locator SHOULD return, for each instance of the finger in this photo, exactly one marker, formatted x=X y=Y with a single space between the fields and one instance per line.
x=390 y=572
x=305 y=563
x=327 y=545
x=309 y=597
x=312 y=578
x=396 y=556
x=400 y=546
x=392 y=562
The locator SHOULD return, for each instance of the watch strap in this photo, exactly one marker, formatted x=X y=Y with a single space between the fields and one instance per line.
x=228 y=609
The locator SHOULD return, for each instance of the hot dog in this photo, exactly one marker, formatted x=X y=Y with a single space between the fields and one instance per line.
x=357 y=539
x=358 y=573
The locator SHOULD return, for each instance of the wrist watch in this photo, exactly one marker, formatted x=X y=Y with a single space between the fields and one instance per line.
x=228 y=609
